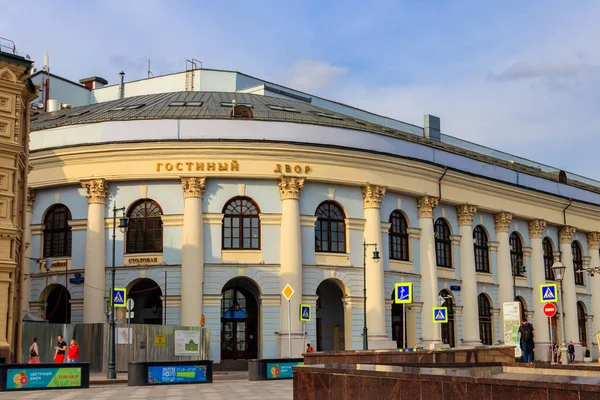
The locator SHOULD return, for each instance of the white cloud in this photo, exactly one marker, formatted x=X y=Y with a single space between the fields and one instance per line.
x=311 y=75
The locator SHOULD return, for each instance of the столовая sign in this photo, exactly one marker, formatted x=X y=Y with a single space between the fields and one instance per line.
x=40 y=378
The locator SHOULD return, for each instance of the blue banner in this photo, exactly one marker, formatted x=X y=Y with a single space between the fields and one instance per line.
x=41 y=378
x=281 y=370
x=176 y=374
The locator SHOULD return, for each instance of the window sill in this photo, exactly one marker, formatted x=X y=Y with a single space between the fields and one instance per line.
x=241 y=255
x=401 y=266
x=445 y=272
x=487 y=277
x=132 y=259
x=322 y=258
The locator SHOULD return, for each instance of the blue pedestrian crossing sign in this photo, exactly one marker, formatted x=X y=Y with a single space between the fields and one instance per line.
x=440 y=315
x=548 y=293
x=403 y=293
x=304 y=313
x=119 y=297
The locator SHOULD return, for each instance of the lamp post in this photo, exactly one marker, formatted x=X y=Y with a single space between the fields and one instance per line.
x=559 y=269
x=112 y=357
x=376 y=259
x=521 y=272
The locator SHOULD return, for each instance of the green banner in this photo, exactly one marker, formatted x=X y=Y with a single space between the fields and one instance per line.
x=40 y=378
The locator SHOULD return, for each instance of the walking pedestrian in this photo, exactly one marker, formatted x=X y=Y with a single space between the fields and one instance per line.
x=571 y=349
x=34 y=347
x=59 y=350
x=73 y=354
x=526 y=335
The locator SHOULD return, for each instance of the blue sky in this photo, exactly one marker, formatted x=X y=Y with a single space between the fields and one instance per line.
x=518 y=76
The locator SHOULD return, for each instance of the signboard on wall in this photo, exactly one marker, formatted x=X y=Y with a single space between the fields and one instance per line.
x=158 y=375
x=187 y=343
x=512 y=321
x=124 y=335
x=41 y=378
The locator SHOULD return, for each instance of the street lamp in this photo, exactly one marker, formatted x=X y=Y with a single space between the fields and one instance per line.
x=112 y=357
x=376 y=259
x=559 y=269
x=521 y=270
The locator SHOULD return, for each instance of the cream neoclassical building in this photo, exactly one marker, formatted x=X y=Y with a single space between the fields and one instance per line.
x=236 y=187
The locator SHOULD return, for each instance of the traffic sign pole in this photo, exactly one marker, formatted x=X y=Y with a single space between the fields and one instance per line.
x=290 y=327
x=403 y=326
x=551 y=342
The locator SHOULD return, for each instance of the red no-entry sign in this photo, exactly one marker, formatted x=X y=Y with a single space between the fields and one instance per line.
x=549 y=310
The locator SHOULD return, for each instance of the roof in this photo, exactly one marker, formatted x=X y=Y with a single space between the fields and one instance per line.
x=218 y=105
x=59 y=77
x=93 y=79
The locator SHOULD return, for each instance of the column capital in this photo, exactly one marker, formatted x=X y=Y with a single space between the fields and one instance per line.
x=96 y=190
x=465 y=213
x=290 y=187
x=502 y=221
x=30 y=198
x=593 y=240
x=372 y=195
x=565 y=235
x=193 y=187
x=536 y=228
x=426 y=204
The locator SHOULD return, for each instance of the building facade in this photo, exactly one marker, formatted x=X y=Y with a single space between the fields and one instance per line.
x=16 y=92
x=237 y=187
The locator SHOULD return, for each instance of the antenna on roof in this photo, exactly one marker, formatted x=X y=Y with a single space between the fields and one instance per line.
x=150 y=74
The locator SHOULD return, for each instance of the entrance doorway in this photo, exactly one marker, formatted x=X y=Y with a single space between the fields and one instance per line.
x=448 y=336
x=58 y=305
x=398 y=325
x=239 y=320
x=147 y=302
x=330 y=317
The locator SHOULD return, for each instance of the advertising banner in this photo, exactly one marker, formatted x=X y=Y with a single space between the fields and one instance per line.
x=41 y=378
x=158 y=375
x=187 y=343
x=281 y=370
x=512 y=321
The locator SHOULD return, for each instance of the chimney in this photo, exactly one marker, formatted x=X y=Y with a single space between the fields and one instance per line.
x=121 y=86
x=432 y=128
x=93 y=82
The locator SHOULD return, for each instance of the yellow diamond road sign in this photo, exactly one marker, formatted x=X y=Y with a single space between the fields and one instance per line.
x=288 y=292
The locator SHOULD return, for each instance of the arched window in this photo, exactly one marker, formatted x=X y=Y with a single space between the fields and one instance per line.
x=548 y=259
x=57 y=232
x=145 y=232
x=443 y=244
x=242 y=112
x=485 y=320
x=516 y=254
x=330 y=228
x=448 y=336
x=577 y=263
x=482 y=253
x=398 y=237
x=581 y=323
x=241 y=224
x=522 y=308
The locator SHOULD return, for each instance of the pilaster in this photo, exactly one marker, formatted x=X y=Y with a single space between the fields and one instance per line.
x=470 y=318
x=502 y=222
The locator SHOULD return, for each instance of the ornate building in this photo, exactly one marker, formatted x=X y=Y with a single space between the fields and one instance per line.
x=16 y=92
x=236 y=187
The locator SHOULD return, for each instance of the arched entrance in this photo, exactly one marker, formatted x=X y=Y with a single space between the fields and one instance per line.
x=330 y=317
x=239 y=320
x=448 y=336
x=58 y=304
x=147 y=306
x=398 y=324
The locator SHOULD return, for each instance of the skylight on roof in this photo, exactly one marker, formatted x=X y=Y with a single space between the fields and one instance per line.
x=119 y=108
x=78 y=114
x=282 y=108
x=326 y=115
x=177 y=104
x=186 y=103
x=134 y=106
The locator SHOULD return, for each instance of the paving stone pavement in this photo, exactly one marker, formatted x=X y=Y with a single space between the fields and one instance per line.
x=219 y=390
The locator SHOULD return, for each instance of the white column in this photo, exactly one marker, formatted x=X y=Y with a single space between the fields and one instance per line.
x=593 y=245
x=27 y=263
x=377 y=335
x=505 y=276
x=569 y=298
x=192 y=252
x=468 y=275
x=538 y=277
x=291 y=264
x=95 y=252
x=429 y=279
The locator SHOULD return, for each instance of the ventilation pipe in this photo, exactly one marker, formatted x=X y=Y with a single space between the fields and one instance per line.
x=121 y=85
x=432 y=128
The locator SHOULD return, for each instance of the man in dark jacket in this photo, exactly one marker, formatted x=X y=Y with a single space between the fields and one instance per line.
x=526 y=335
x=571 y=349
